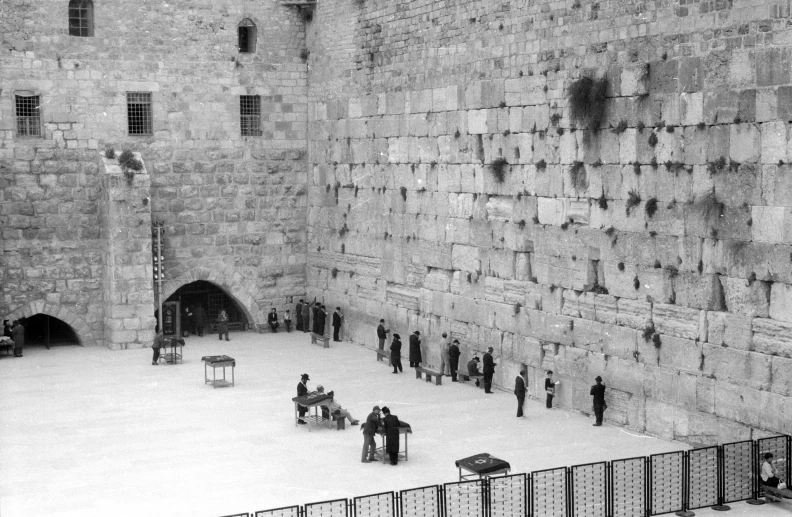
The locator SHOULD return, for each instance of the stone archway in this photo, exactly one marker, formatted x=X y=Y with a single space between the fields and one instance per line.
x=234 y=285
x=85 y=336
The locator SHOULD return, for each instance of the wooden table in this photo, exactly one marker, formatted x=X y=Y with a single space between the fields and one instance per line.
x=173 y=357
x=481 y=466
x=313 y=401
x=7 y=343
x=218 y=361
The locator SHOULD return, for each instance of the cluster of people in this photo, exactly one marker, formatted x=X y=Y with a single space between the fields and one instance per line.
x=331 y=408
x=194 y=321
x=390 y=425
x=15 y=332
x=312 y=317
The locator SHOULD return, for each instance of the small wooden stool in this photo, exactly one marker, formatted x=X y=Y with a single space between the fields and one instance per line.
x=341 y=424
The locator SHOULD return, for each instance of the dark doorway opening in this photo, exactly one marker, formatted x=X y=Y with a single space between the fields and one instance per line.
x=41 y=329
x=213 y=299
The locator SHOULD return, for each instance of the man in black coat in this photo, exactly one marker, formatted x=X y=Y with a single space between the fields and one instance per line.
x=302 y=390
x=272 y=319
x=453 y=358
x=200 y=317
x=489 y=370
x=395 y=349
x=415 y=349
x=306 y=315
x=369 y=431
x=391 y=424
x=519 y=391
x=382 y=334
x=598 y=392
x=320 y=317
x=336 y=323
x=298 y=313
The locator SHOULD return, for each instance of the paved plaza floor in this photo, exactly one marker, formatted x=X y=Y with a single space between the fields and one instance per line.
x=93 y=432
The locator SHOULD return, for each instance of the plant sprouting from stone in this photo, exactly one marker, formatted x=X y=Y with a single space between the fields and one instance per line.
x=621 y=127
x=110 y=153
x=517 y=308
x=651 y=207
x=403 y=191
x=636 y=283
x=498 y=169
x=717 y=165
x=636 y=168
x=334 y=272
x=602 y=202
x=541 y=165
x=652 y=139
x=555 y=118
x=708 y=208
x=587 y=101
x=633 y=200
x=648 y=332
x=656 y=340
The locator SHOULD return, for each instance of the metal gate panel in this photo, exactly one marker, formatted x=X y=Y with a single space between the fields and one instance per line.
x=464 y=499
x=666 y=483
x=375 y=505
x=703 y=476
x=589 y=490
x=334 y=508
x=508 y=496
x=549 y=493
x=628 y=485
x=420 y=502
x=778 y=446
x=738 y=471
x=286 y=511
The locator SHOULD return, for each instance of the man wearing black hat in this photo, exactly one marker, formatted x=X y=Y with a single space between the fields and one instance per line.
x=395 y=349
x=302 y=390
x=453 y=358
x=369 y=431
x=382 y=334
x=415 y=349
x=298 y=313
x=473 y=371
x=519 y=391
x=391 y=424
x=489 y=370
x=598 y=392
x=336 y=323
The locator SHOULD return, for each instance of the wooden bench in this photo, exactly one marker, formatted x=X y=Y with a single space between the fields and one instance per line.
x=316 y=337
x=776 y=494
x=382 y=354
x=463 y=377
x=429 y=374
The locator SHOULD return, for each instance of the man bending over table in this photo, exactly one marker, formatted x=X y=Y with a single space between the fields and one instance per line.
x=335 y=408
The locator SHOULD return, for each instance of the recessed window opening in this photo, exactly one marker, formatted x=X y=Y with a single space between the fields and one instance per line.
x=250 y=115
x=81 y=18
x=139 y=113
x=28 y=115
x=247 y=36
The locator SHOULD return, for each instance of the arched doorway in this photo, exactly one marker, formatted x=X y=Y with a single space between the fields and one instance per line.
x=213 y=299
x=48 y=331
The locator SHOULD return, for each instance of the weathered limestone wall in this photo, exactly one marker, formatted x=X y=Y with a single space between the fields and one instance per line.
x=682 y=303
x=234 y=207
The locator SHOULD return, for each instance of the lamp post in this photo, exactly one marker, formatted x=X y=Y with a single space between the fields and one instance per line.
x=158 y=267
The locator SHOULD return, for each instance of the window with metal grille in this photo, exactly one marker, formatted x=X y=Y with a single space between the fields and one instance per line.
x=28 y=115
x=139 y=113
x=250 y=115
x=81 y=18
x=247 y=36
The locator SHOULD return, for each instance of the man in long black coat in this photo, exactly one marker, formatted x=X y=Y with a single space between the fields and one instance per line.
x=382 y=334
x=415 y=349
x=306 y=315
x=200 y=318
x=395 y=349
x=336 y=323
x=391 y=424
x=519 y=391
x=320 y=317
x=298 y=313
x=488 y=370
x=598 y=393
x=453 y=358
x=302 y=390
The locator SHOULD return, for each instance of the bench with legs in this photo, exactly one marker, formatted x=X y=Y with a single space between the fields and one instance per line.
x=464 y=377
x=429 y=374
x=776 y=494
x=316 y=338
x=382 y=354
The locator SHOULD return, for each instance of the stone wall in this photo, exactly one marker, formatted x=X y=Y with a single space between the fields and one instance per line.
x=230 y=203
x=654 y=250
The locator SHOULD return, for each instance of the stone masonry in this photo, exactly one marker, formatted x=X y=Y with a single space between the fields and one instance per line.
x=655 y=251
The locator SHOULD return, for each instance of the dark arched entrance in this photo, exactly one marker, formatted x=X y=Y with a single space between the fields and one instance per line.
x=213 y=299
x=41 y=329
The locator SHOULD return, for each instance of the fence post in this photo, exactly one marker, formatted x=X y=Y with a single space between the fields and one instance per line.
x=721 y=482
x=754 y=475
x=648 y=470
x=685 y=512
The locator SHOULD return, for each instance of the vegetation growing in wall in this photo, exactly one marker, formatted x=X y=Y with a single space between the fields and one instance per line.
x=708 y=208
x=541 y=165
x=633 y=200
x=717 y=165
x=498 y=169
x=621 y=127
x=651 y=207
x=129 y=165
x=110 y=153
x=403 y=191
x=587 y=101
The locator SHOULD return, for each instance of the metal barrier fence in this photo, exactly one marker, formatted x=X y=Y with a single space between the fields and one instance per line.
x=673 y=482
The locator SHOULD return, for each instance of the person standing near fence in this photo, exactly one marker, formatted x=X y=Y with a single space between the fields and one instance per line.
x=18 y=333
x=445 y=359
x=453 y=358
x=550 y=387
x=369 y=431
x=382 y=334
x=519 y=391
x=336 y=323
x=302 y=390
x=415 y=349
x=598 y=393
x=298 y=314
x=395 y=349
x=222 y=325
x=489 y=370
x=391 y=425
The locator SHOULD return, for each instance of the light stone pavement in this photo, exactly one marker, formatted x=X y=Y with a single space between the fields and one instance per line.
x=93 y=432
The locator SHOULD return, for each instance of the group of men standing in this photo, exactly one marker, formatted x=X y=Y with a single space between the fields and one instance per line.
x=16 y=332
x=305 y=310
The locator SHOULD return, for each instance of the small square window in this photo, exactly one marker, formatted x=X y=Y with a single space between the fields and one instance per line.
x=28 y=115
x=250 y=115
x=139 y=113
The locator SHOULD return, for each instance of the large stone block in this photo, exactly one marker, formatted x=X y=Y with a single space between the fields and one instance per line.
x=751 y=299
x=466 y=258
x=745 y=143
x=634 y=313
x=737 y=366
x=780 y=301
x=681 y=322
x=772 y=337
x=698 y=291
x=680 y=354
